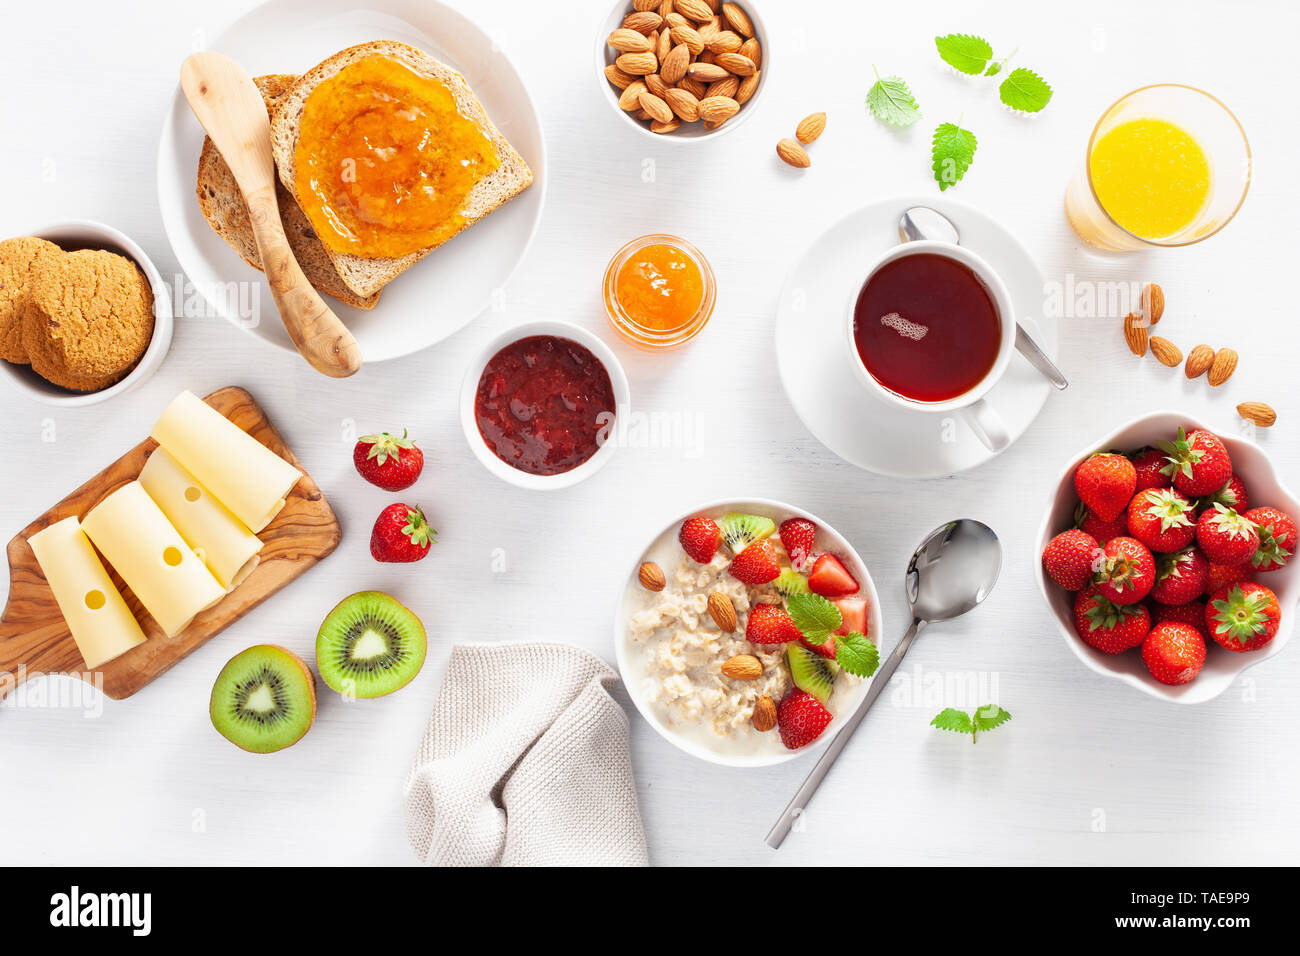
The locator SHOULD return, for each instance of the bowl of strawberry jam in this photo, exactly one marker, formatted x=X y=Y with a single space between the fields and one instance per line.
x=540 y=407
x=659 y=291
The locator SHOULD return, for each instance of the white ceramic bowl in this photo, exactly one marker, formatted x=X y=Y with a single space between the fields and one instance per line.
x=87 y=234
x=1221 y=666
x=666 y=551
x=687 y=132
x=469 y=388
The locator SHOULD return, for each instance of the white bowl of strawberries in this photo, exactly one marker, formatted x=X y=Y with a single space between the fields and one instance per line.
x=1166 y=554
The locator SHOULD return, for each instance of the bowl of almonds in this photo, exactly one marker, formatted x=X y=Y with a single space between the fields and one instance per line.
x=682 y=69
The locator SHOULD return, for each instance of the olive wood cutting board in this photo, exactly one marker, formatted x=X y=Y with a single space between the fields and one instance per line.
x=34 y=639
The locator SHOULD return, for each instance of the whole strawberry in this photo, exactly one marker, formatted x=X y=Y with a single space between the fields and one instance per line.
x=1110 y=628
x=1127 y=571
x=757 y=564
x=1193 y=613
x=391 y=463
x=401 y=534
x=1226 y=537
x=1070 y=559
x=1101 y=531
x=1162 y=519
x=801 y=718
x=1105 y=483
x=1226 y=575
x=1243 y=617
x=1233 y=495
x=770 y=624
x=1180 y=577
x=1149 y=465
x=699 y=538
x=798 y=537
x=1174 y=653
x=1277 y=538
x=1198 y=463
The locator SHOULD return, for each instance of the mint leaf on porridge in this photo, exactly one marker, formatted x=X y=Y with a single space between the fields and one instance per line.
x=856 y=654
x=816 y=617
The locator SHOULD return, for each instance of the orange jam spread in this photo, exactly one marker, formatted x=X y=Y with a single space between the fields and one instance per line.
x=660 y=287
x=385 y=159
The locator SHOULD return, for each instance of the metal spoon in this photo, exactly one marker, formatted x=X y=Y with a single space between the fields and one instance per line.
x=922 y=222
x=952 y=571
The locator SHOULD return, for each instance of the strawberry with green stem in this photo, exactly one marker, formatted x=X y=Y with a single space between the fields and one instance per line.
x=1109 y=627
x=1149 y=465
x=388 y=462
x=1126 y=572
x=1162 y=519
x=959 y=722
x=1180 y=577
x=401 y=534
x=1226 y=537
x=1277 y=538
x=1243 y=617
x=1198 y=463
x=1233 y=495
x=1071 y=558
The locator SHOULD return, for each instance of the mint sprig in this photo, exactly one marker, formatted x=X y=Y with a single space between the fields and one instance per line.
x=959 y=722
x=1025 y=90
x=952 y=151
x=965 y=53
x=891 y=101
x=856 y=654
x=816 y=617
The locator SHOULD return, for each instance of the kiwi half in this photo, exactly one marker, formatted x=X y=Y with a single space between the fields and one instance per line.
x=370 y=645
x=789 y=583
x=811 y=672
x=264 y=699
x=741 y=530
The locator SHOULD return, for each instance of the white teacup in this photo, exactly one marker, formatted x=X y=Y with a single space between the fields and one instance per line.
x=972 y=405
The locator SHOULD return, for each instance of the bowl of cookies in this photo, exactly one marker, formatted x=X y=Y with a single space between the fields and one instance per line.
x=84 y=313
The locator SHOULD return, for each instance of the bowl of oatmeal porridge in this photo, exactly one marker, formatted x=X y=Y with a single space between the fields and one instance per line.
x=674 y=655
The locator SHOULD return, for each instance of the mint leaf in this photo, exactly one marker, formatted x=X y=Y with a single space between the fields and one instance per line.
x=958 y=721
x=990 y=716
x=857 y=655
x=1025 y=90
x=994 y=69
x=891 y=101
x=953 y=151
x=816 y=617
x=965 y=53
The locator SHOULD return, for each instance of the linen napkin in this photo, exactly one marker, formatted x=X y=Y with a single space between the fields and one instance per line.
x=525 y=763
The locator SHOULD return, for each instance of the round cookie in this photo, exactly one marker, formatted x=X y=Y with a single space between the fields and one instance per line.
x=89 y=318
x=18 y=258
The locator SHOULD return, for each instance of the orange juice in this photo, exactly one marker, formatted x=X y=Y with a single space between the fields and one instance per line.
x=1151 y=176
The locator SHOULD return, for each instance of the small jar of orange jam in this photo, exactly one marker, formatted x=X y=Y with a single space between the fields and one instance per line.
x=659 y=291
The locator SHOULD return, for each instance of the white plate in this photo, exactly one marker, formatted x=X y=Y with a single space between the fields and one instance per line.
x=439 y=295
x=815 y=366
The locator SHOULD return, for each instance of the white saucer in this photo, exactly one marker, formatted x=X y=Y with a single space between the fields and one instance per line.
x=814 y=362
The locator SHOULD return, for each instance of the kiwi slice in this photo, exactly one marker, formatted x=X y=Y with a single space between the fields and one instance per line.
x=740 y=531
x=370 y=645
x=789 y=583
x=811 y=672
x=264 y=699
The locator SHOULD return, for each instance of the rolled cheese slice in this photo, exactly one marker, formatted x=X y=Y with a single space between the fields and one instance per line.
x=167 y=576
x=100 y=622
x=220 y=539
x=246 y=476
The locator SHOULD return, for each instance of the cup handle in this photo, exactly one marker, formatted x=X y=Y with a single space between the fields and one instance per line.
x=987 y=425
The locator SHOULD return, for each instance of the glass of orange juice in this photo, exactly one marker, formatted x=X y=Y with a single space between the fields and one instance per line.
x=659 y=291
x=1167 y=165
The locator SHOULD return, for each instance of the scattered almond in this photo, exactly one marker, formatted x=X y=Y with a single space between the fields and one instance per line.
x=793 y=154
x=1153 y=302
x=642 y=21
x=810 y=127
x=1257 y=413
x=651 y=576
x=1135 y=334
x=1199 y=361
x=743 y=667
x=1224 y=364
x=764 y=718
x=738 y=19
x=722 y=611
x=1166 y=352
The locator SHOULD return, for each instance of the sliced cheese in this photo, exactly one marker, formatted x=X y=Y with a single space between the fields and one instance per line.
x=100 y=622
x=246 y=476
x=220 y=539
x=166 y=575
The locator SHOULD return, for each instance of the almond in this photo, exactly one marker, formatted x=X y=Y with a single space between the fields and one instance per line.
x=746 y=88
x=1257 y=413
x=1199 y=361
x=694 y=87
x=1135 y=334
x=666 y=9
x=684 y=104
x=675 y=20
x=651 y=576
x=726 y=42
x=793 y=154
x=658 y=127
x=751 y=49
x=735 y=63
x=663 y=45
x=656 y=107
x=690 y=37
x=655 y=84
x=673 y=67
x=643 y=5
x=631 y=98
x=696 y=10
x=738 y=19
x=718 y=109
x=642 y=21
x=810 y=127
x=699 y=70
x=638 y=64
x=722 y=611
x=728 y=88
x=618 y=77
x=1224 y=364
x=764 y=718
x=1153 y=302
x=628 y=41
x=743 y=667
x=1166 y=352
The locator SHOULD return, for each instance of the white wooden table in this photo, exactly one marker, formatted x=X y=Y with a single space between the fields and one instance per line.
x=1087 y=772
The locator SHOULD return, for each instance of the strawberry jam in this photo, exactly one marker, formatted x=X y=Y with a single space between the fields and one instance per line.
x=544 y=404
